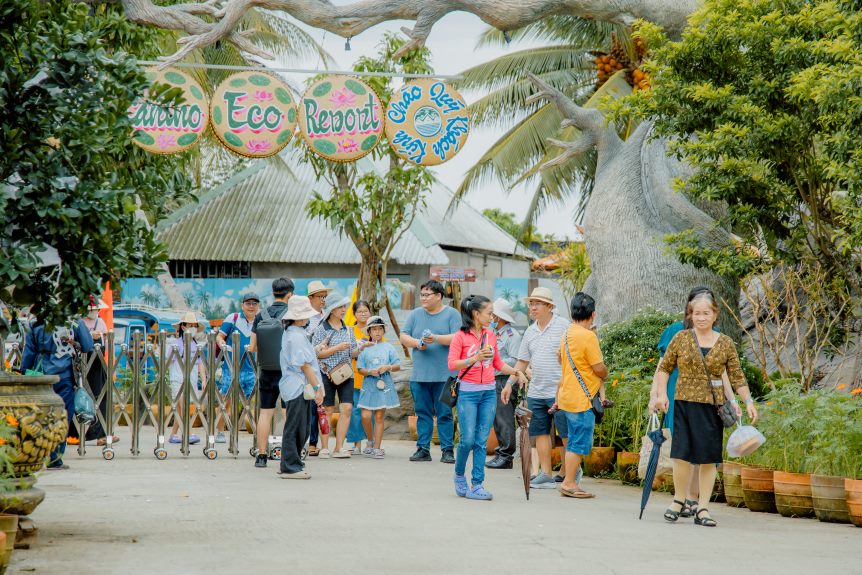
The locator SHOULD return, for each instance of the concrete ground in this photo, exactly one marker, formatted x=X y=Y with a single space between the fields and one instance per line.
x=191 y=515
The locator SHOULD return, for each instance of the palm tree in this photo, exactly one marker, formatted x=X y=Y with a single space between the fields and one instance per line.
x=516 y=157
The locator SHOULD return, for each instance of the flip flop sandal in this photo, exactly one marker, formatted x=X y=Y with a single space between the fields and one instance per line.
x=575 y=493
x=673 y=516
x=689 y=509
x=706 y=521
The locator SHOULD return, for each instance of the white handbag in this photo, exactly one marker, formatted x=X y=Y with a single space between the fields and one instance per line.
x=664 y=463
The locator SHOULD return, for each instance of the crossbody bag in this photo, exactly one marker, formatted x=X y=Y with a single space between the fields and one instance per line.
x=726 y=412
x=595 y=403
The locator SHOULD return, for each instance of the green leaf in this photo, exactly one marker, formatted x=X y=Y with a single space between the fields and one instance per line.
x=322 y=89
x=282 y=95
x=175 y=78
x=238 y=82
x=291 y=115
x=144 y=138
x=283 y=137
x=217 y=114
x=260 y=80
x=325 y=147
x=232 y=139
x=355 y=87
x=195 y=92
x=368 y=143
x=187 y=139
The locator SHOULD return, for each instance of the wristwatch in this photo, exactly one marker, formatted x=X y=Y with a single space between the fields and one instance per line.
x=749 y=401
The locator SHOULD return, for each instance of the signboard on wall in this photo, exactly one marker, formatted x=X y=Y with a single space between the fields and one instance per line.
x=453 y=274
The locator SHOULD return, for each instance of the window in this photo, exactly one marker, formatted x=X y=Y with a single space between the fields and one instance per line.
x=208 y=269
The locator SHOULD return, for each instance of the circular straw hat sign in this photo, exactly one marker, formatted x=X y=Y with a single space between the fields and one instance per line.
x=253 y=114
x=169 y=129
x=341 y=118
x=427 y=122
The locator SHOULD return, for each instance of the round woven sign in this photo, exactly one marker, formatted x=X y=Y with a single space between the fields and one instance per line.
x=341 y=118
x=169 y=129
x=427 y=122
x=253 y=114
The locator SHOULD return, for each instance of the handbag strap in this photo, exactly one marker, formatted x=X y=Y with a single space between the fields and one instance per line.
x=575 y=369
x=705 y=368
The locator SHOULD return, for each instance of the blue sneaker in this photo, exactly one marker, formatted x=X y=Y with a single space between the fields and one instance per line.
x=480 y=493
x=460 y=486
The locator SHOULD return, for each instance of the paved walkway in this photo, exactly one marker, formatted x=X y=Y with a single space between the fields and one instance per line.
x=190 y=515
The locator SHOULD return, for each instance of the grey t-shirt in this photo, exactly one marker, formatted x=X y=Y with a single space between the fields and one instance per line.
x=541 y=349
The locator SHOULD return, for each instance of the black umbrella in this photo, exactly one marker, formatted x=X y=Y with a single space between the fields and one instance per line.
x=657 y=438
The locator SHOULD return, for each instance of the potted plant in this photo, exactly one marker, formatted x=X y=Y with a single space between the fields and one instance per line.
x=835 y=453
x=791 y=419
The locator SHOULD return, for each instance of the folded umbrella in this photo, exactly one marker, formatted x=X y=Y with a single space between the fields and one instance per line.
x=523 y=416
x=657 y=438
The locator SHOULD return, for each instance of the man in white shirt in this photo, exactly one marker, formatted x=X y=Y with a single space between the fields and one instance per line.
x=539 y=348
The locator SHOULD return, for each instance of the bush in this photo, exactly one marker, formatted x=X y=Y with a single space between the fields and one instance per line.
x=631 y=345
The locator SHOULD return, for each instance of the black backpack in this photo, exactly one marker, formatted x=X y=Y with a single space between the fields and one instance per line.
x=269 y=332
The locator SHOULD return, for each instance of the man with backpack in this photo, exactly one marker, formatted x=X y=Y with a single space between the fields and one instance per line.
x=266 y=335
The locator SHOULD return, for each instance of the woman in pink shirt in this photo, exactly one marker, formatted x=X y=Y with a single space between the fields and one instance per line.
x=473 y=352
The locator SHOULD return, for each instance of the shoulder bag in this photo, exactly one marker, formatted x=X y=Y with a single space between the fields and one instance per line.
x=595 y=403
x=725 y=411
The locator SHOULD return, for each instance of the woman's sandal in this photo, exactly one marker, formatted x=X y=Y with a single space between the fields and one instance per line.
x=689 y=509
x=671 y=515
x=706 y=521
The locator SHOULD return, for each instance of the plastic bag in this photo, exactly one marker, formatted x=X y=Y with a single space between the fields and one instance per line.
x=664 y=463
x=85 y=407
x=744 y=440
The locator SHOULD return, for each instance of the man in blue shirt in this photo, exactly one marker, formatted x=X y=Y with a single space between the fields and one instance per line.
x=242 y=323
x=53 y=354
x=429 y=330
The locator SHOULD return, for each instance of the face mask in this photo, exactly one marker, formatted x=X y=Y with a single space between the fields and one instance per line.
x=93 y=314
x=192 y=331
x=493 y=325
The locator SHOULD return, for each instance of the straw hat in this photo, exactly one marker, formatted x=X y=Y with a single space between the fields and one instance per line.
x=374 y=321
x=299 y=307
x=343 y=302
x=503 y=310
x=316 y=287
x=542 y=294
x=187 y=317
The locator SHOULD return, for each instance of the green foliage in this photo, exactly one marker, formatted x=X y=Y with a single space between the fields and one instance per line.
x=754 y=376
x=762 y=98
x=506 y=220
x=573 y=268
x=372 y=209
x=632 y=345
x=70 y=173
x=815 y=432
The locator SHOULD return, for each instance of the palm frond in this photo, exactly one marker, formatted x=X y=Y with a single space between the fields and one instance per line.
x=558 y=30
x=284 y=38
x=509 y=67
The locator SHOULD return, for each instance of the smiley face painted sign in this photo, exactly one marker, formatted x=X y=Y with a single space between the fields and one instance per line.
x=427 y=122
x=169 y=129
x=341 y=118
x=253 y=114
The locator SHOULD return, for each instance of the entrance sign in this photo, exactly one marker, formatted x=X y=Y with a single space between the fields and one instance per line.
x=341 y=118
x=169 y=129
x=427 y=122
x=253 y=114
x=453 y=274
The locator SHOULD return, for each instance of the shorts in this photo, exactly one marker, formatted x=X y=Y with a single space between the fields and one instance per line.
x=246 y=381
x=581 y=426
x=268 y=393
x=540 y=424
x=344 y=389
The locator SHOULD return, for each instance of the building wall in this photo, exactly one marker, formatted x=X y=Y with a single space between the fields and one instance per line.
x=488 y=269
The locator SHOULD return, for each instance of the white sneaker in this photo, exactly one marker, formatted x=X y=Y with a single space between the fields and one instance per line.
x=323 y=454
x=378 y=454
x=368 y=452
x=341 y=454
x=543 y=481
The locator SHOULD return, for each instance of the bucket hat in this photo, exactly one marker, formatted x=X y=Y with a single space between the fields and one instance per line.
x=503 y=310
x=542 y=294
x=343 y=302
x=373 y=321
x=316 y=287
x=298 y=308
x=187 y=317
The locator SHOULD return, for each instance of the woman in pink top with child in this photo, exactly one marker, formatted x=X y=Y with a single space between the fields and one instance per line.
x=473 y=352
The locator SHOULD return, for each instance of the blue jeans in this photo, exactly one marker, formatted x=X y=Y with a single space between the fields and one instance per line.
x=426 y=404
x=65 y=388
x=355 y=432
x=246 y=380
x=476 y=410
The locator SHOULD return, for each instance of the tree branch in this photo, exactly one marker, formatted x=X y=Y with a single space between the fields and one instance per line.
x=352 y=19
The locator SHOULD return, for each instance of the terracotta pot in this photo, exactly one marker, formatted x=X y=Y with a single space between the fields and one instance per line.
x=853 y=494
x=829 y=499
x=627 y=467
x=4 y=555
x=9 y=527
x=793 y=494
x=558 y=455
x=492 y=443
x=38 y=416
x=732 y=475
x=758 y=489
x=663 y=483
x=600 y=460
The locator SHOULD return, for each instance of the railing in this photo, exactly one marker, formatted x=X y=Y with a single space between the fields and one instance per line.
x=141 y=396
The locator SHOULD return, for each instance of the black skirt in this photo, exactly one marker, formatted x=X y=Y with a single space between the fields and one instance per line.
x=698 y=433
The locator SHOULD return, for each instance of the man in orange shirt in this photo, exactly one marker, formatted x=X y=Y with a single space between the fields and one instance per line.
x=583 y=373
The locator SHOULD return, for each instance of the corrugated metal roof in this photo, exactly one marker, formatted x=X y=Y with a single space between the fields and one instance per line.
x=259 y=216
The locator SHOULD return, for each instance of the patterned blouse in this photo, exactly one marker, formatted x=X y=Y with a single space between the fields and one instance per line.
x=345 y=334
x=693 y=384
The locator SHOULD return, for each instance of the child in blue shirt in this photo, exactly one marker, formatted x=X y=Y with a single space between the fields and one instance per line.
x=376 y=363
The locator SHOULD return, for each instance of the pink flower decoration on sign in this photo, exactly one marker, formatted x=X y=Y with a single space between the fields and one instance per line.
x=165 y=141
x=348 y=145
x=256 y=146
x=263 y=96
x=342 y=98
